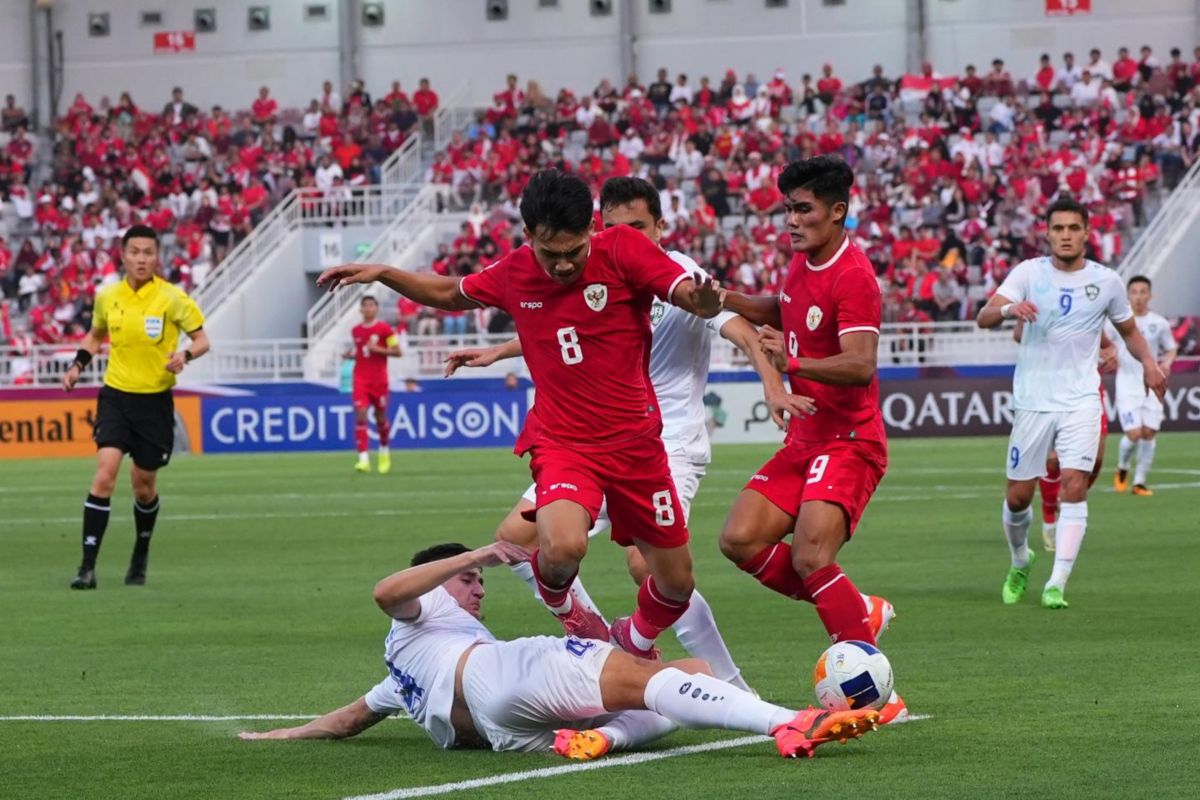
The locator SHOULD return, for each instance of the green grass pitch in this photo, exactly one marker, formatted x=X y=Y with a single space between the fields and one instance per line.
x=259 y=602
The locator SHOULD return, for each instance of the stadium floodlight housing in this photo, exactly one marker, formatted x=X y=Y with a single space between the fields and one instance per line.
x=316 y=12
x=258 y=18
x=98 y=24
x=660 y=6
x=372 y=15
x=150 y=19
x=600 y=8
x=496 y=10
x=205 y=20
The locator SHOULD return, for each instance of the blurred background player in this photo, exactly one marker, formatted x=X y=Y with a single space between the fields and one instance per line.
x=467 y=689
x=374 y=343
x=822 y=330
x=142 y=316
x=680 y=354
x=1141 y=412
x=1064 y=300
x=581 y=302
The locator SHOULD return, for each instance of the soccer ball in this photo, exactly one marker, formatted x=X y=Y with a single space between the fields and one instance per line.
x=852 y=675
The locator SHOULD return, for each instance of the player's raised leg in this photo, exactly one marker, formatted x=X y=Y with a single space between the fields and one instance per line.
x=562 y=527
x=96 y=510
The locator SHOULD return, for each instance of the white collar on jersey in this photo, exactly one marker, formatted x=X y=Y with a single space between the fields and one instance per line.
x=836 y=256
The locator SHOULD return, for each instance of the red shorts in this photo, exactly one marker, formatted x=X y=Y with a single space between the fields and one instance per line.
x=634 y=477
x=843 y=471
x=366 y=395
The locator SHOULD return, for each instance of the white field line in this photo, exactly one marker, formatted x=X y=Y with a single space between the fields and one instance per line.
x=935 y=492
x=149 y=717
x=567 y=769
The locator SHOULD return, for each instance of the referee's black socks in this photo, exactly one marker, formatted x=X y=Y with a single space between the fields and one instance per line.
x=95 y=521
x=144 y=517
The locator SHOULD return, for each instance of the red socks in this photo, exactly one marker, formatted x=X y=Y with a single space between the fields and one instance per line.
x=383 y=429
x=360 y=436
x=552 y=596
x=1049 y=486
x=773 y=569
x=839 y=605
x=655 y=612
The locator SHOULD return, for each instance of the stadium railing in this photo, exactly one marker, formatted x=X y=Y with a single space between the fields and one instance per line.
x=1156 y=245
x=390 y=247
x=453 y=114
x=931 y=344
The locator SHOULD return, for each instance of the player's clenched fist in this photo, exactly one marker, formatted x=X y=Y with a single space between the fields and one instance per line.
x=347 y=274
x=770 y=341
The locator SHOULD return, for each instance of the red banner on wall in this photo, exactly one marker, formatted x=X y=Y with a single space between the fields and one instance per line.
x=1067 y=8
x=174 y=42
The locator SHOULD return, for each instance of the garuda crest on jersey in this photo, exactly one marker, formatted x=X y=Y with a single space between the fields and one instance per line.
x=815 y=315
x=596 y=296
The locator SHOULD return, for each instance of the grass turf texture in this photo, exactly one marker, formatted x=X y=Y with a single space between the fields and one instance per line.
x=259 y=601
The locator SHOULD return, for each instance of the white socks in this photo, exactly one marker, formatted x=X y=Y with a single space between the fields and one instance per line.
x=1016 y=530
x=701 y=701
x=697 y=632
x=383 y=450
x=629 y=729
x=1145 y=459
x=1125 y=452
x=364 y=457
x=1072 y=525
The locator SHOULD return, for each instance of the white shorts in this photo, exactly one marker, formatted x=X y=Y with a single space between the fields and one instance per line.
x=1074 y=435
x=1140 y=410
x=685 y=473
x=519 y=692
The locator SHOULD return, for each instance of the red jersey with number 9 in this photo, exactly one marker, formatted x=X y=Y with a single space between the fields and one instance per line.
x=818 y=305
x=587 y=344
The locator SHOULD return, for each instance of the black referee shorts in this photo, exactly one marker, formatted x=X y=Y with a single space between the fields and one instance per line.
x=142 y=425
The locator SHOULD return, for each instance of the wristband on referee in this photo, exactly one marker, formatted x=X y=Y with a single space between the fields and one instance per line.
x=793 y=365
x=188 y=356
x=1006 y=310
x=82 y=359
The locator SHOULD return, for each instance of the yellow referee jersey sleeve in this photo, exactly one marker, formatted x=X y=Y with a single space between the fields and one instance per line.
x=143 y=329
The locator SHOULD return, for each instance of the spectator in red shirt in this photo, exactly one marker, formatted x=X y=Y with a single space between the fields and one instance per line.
x=998 y=82
x=828 y=85
x=264 y=108
x=1124 y=71
x=425 y=100
x=396 y=95
x=1046 y=77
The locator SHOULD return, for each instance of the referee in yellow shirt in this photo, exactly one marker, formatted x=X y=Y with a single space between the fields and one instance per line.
x=142 y=316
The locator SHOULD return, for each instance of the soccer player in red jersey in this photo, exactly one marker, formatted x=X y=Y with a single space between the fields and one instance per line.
x=823 y=332
x=581 y=302
x=374 y=342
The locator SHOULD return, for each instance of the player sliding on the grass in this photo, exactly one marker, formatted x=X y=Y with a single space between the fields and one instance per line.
x=679 y=360
x=1064 y=300
x=581 y=698
x=581 y=303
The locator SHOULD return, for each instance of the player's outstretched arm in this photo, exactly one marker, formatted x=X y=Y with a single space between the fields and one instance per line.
x=1153 y=377
x=854 y=366
x=700 y=296
x=481 y=356
x=1000 y=308
x=343 y=723
x=399 y=595
x=437 y=291
x=758 y=310
x=780 y=403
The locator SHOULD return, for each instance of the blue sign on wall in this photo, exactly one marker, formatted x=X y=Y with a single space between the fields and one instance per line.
x=326 y=421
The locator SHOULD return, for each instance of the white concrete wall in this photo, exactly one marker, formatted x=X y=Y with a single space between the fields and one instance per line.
x=450 y=41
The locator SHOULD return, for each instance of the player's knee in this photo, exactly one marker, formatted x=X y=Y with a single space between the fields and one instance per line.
x=738 y=542
x=808 y=559
x=1019 y=496
x=564 y=550
x=103 y=484
x=1148 y=434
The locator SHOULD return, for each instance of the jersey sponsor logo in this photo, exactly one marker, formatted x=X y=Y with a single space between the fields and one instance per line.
x=657 y=312
x=1092 y=291
x=570 y=486
x=154 y=327
x=760 y=477
x=596 y=296
x=815 y=315
x=530 y=304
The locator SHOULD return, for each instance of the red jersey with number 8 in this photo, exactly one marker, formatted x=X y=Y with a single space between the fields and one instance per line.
x=587 y=344
x=372 y=368
x=818 y=305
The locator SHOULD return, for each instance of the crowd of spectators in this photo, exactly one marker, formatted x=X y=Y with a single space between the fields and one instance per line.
x=954 y=172
x=201 y=179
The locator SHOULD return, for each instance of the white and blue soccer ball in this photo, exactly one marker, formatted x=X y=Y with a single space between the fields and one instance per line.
x=852 y=675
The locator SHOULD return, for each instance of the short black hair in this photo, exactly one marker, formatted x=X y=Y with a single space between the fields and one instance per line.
x=368 y=297
x=1066 y=203
x=619 y=191
x=139 y=232
x=556 y=201
x=828 y=178
x=437 y=553
x=1139 y=279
